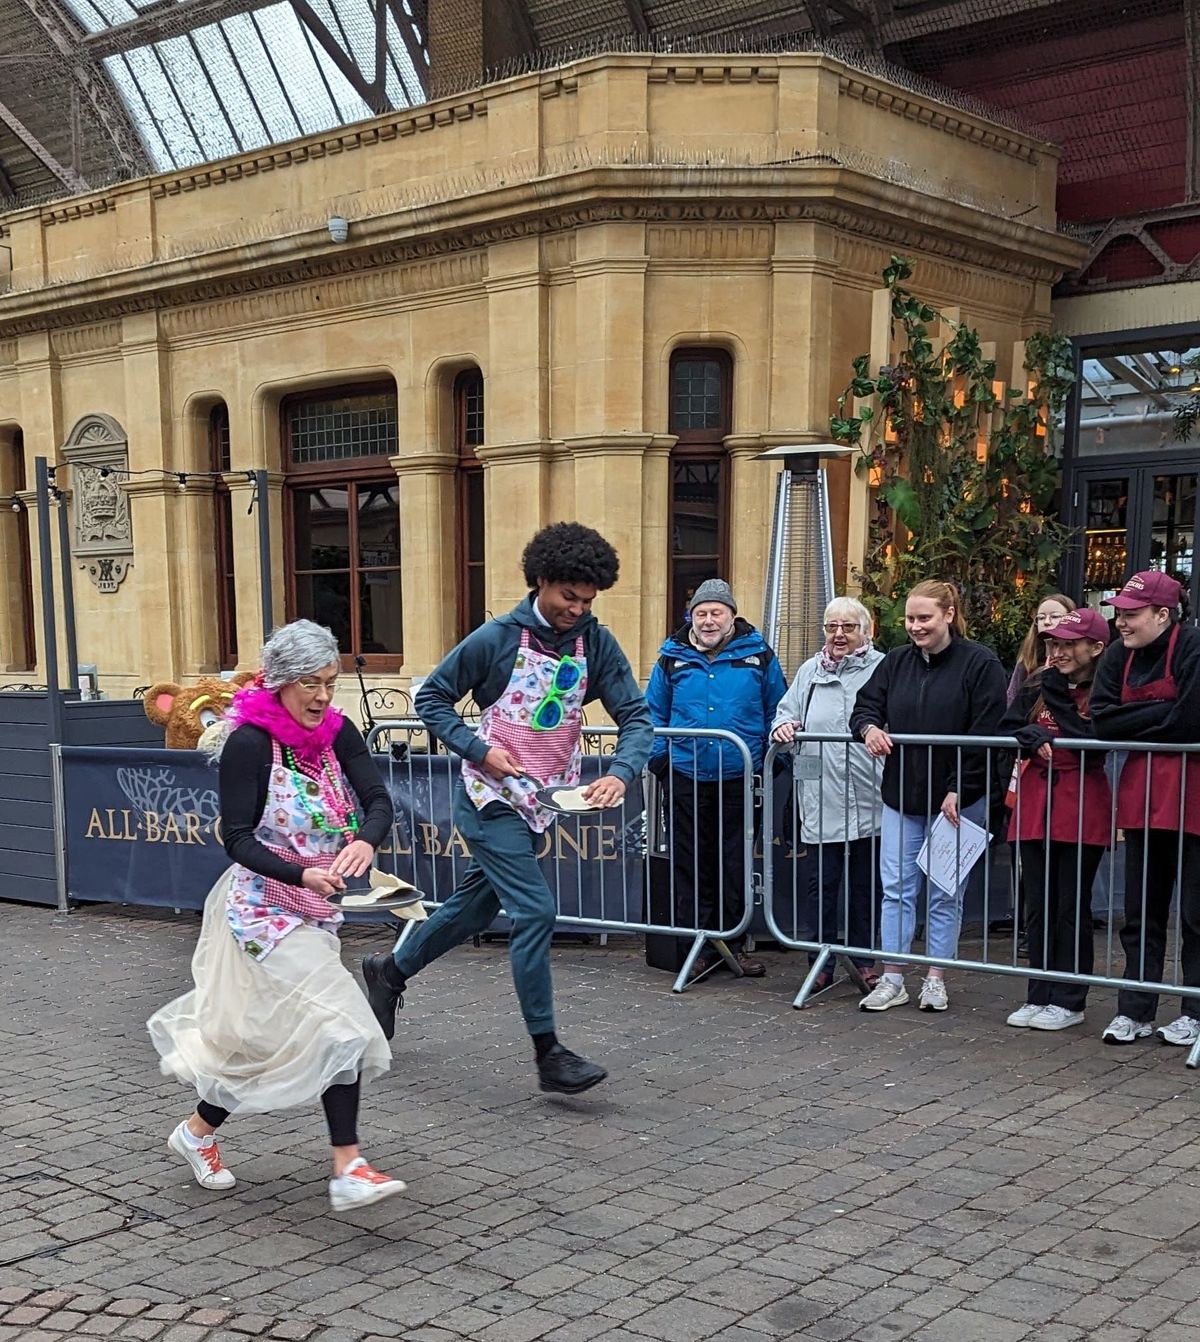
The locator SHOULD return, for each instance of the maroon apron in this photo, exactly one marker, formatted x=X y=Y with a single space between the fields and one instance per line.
x=1166 y=771
x=1075 y=771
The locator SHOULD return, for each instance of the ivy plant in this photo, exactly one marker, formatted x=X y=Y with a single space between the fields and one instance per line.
x=962 y=475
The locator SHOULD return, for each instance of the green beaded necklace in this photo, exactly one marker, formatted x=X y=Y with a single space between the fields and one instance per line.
x=328 y=787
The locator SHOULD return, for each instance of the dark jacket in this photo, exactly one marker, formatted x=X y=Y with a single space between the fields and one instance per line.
x=737 y=691
x=1163 y=720
x=1055 y=691
x=959 y=691
x=481 y=665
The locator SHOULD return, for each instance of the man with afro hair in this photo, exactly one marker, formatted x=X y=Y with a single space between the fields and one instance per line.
x=530 y=672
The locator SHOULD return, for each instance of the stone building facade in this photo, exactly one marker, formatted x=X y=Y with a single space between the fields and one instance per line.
x=594 y=292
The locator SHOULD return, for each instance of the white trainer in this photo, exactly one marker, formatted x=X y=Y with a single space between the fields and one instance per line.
x=933 y=995
x=207 y=1167
x=1182 y=1032
x=1055 y=1018
x=884 y=994
x=359 y=1185
x=1123 y=1030
x=1023 y=1015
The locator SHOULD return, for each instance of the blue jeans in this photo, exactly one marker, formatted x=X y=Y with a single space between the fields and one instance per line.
x=503 y=873
x=900 y=841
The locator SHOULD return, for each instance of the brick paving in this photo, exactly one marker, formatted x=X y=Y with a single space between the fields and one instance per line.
x=749 y=1173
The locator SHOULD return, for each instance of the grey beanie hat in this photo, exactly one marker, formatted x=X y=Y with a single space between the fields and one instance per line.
x=713 y=589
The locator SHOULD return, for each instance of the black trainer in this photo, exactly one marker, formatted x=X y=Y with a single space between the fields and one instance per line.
x=567 y=1073
x=381 y=994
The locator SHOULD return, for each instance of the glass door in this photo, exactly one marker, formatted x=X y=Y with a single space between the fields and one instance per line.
x=1103 y=502
x=1135 y=519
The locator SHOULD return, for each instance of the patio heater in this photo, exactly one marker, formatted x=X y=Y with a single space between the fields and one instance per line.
x=800 y=564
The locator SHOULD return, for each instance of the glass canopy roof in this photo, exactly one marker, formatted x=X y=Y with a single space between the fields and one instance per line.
x=255 y=77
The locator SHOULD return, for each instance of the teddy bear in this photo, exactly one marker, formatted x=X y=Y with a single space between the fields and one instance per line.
x=186 y=712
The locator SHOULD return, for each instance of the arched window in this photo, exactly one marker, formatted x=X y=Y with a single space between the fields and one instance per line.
x=701 y=417
x=219 y=456
x=468 y=435
x=343 y=515
x=16 y=589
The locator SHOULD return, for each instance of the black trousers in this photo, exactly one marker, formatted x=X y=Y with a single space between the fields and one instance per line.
x=823 y=910
x=1144 y=936
x=341 y=1113
x=706 y=829
x=1050 y=876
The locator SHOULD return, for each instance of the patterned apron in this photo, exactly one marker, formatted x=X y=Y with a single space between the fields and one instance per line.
x=261 y=911
x=549 y=758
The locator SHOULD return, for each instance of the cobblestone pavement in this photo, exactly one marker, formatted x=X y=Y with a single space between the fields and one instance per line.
x=749 y=1173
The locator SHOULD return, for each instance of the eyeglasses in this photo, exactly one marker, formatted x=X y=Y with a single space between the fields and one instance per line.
x=843 y=626
x=311 y=685
x=551 y=711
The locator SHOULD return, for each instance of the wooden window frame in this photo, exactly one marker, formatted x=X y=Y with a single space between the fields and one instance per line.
x=468 y=468
x=699 y=446
x=223 y=542
x=350 y=473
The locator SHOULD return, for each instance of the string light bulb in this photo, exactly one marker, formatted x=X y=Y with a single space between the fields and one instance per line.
x=181 y=476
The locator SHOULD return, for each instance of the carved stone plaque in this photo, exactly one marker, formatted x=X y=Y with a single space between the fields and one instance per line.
x=98 y=453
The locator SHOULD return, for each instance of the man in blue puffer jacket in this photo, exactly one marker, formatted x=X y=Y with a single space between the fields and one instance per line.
x=715 y=672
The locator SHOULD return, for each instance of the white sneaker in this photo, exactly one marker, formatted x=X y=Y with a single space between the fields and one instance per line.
x=884 y=994
x=205 y=1160
x=1123 y=1030
x=1024 y=1014
x=933 y=995
x=1184 y=1031
x=1055 y=1018
x=359 y=1185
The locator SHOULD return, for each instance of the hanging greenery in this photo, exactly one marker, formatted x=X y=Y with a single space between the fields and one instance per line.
x=962 y=476
x=1187 y=413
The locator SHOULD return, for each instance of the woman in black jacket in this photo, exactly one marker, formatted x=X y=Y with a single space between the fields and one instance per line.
x=1148 y=689
x=939 y=683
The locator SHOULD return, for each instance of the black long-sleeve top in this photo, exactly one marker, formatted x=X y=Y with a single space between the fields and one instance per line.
x=245 y=775
x=1166 y=720
x=959 y=691
x=1059 y=697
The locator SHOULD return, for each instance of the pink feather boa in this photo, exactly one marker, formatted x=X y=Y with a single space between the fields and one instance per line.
x=261 y=707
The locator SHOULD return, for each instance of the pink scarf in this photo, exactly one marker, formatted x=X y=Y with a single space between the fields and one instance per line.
x=261 y=707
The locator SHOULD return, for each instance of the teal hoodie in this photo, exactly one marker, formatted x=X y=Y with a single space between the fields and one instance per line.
x=481 y=665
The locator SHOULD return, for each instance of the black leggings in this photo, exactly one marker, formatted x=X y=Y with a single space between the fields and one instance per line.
x=341 y=1113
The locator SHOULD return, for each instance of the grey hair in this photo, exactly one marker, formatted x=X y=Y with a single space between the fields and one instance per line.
x=295 y=650
x=849 y=608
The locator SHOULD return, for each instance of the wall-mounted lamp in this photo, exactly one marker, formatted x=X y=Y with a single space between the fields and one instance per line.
x=339 y=229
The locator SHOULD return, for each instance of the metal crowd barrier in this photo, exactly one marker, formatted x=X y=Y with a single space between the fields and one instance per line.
x=600 y=863
x=799 y=919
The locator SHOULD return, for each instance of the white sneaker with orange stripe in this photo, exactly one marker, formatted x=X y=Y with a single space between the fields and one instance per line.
x=205 y=1160
x=359 y=1185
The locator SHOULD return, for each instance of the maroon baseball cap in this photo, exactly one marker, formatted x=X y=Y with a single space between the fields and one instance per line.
x=1147 y=589
x=1082 y=623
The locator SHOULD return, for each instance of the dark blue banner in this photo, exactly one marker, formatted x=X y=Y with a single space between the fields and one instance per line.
x=144 y=827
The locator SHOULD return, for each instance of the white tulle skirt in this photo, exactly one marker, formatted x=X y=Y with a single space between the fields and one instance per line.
x=254 y=1036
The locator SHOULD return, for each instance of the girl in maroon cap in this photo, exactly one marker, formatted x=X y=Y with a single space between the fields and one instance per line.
x=1061 y=819
x=1148 y=689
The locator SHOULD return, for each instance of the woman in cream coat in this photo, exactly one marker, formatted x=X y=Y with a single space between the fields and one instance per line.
x=837 y=788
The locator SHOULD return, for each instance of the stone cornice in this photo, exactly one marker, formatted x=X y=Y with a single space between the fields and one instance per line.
x=846 y=199
x=608 y=444
x=424 y=463
x=504 y=454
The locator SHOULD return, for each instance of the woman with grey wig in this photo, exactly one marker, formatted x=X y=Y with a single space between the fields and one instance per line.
x=275 y=1020
x=836 y=787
